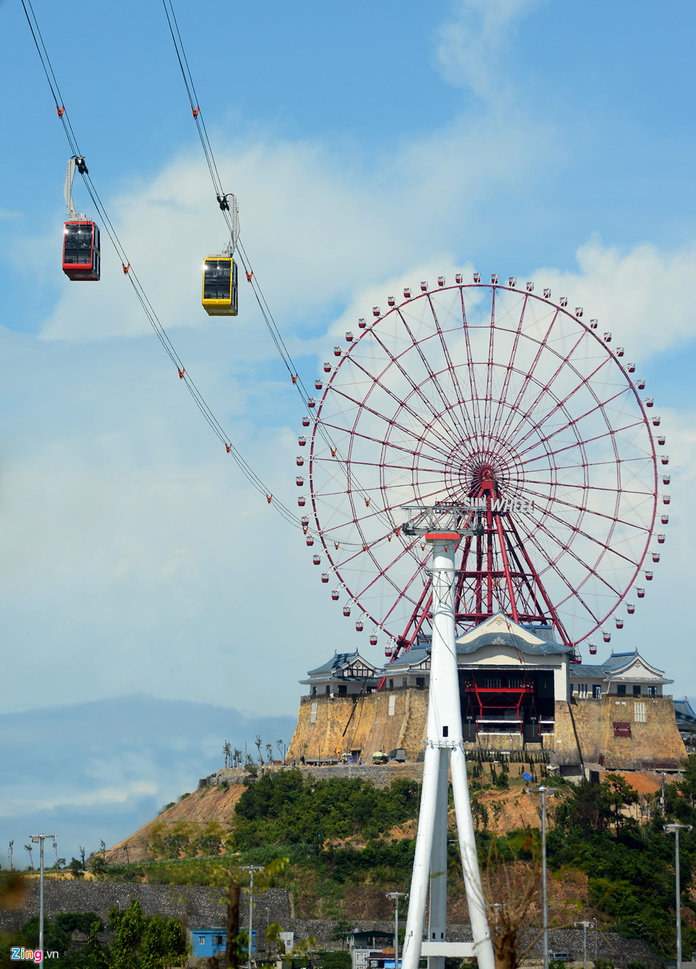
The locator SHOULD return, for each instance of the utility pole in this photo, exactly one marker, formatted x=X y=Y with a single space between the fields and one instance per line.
x=251 y=869
x=394 y=897
x=585 y=926
x=39 y=839
x=544 y=888
x=674 y=829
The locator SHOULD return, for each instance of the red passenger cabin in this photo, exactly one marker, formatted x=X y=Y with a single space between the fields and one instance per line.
x=81 y=253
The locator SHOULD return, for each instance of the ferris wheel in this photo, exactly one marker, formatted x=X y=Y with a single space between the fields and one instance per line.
x=508 y=411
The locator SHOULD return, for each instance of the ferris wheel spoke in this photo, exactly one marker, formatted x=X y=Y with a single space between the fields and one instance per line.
x=563 y=364
x=426 y=366
x=527 y=376
x=404 y=404
x=509 y=368
x=604 y=517
x=452 y=372
x=575 y=589
x=471 y=367
x=387 y=421
x=416 y=388
x=575 y=530
x=561 y=404
x=610 y=434
x=565 y=584
x=489 y=368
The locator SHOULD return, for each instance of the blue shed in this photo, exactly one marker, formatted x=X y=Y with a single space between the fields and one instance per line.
x=208 y=942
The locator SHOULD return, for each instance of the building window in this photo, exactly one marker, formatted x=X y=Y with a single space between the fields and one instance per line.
x=621 y=689
x=218 y=940
x=652 y=691
x=636 y=689
x=342 y=689
x=313 y=714
x=582 y=690
x=639 y=713
x=597 y=691
x=420 y=682
x=391 y=684
x=392 y=705
x=622 y=728
x=404 y=681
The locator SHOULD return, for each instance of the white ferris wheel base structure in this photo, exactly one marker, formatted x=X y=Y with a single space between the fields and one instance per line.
x=444 y=751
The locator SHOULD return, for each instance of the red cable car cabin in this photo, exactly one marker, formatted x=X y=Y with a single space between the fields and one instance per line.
x=81 y=254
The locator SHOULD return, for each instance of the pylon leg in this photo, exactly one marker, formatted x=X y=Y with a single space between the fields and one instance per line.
x=470 y=866
x=444 y=748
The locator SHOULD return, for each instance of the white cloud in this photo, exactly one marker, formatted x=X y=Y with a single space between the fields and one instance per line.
x=471 y=46
x=639 y=293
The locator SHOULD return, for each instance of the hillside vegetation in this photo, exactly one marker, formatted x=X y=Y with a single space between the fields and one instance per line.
x=337 y=845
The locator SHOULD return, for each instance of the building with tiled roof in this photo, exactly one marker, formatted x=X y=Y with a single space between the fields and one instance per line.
x=520 y=691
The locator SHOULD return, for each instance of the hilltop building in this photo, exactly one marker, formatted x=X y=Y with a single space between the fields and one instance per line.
x=520 y=691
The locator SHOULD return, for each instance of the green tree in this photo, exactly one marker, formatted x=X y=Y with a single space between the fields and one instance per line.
x=145 y=942
x=128 y=925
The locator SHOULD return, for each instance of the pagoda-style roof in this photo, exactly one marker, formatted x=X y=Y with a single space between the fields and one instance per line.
x=685 y=715
x=500 y=630
x=417 y=657
x=344 y=666
x=629 y=665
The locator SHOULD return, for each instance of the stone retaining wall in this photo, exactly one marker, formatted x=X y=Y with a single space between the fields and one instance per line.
x=201 y=907
x=584 y=732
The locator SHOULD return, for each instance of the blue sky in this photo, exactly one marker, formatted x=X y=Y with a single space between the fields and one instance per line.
x=369 y=146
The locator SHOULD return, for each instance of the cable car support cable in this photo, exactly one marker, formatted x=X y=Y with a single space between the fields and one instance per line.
x=244 y=259
x=134 y=280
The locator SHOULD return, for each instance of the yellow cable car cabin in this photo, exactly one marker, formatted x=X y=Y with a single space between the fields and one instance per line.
x=220 y=286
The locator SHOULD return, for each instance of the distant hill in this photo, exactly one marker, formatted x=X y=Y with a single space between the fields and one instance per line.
x=100 y=769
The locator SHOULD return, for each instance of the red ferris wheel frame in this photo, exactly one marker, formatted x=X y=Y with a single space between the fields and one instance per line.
x=495 y=400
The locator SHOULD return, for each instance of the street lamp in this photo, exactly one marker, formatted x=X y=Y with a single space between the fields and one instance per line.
x=251 y=869
x=39 y=840
x=394 y=897
x=585 y=926
x=545 y=901
x=674 y=829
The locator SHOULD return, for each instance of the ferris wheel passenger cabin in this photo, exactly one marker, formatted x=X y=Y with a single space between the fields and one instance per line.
x=81 y=250
x=220 y=286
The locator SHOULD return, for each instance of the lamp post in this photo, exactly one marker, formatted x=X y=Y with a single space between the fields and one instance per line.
x=674 y=829
x=39 y=839
x=394 y=897
x=251 y=869
x=585 y=926
x=544 y=893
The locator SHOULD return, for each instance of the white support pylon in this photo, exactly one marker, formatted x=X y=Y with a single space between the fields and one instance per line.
x=444 y=748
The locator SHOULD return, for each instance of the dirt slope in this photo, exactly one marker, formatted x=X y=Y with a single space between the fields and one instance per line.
x=204 y=805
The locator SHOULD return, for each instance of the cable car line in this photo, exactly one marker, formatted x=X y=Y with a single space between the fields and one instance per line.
x=221 y=195
x=265 y=309
x=134 y=280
